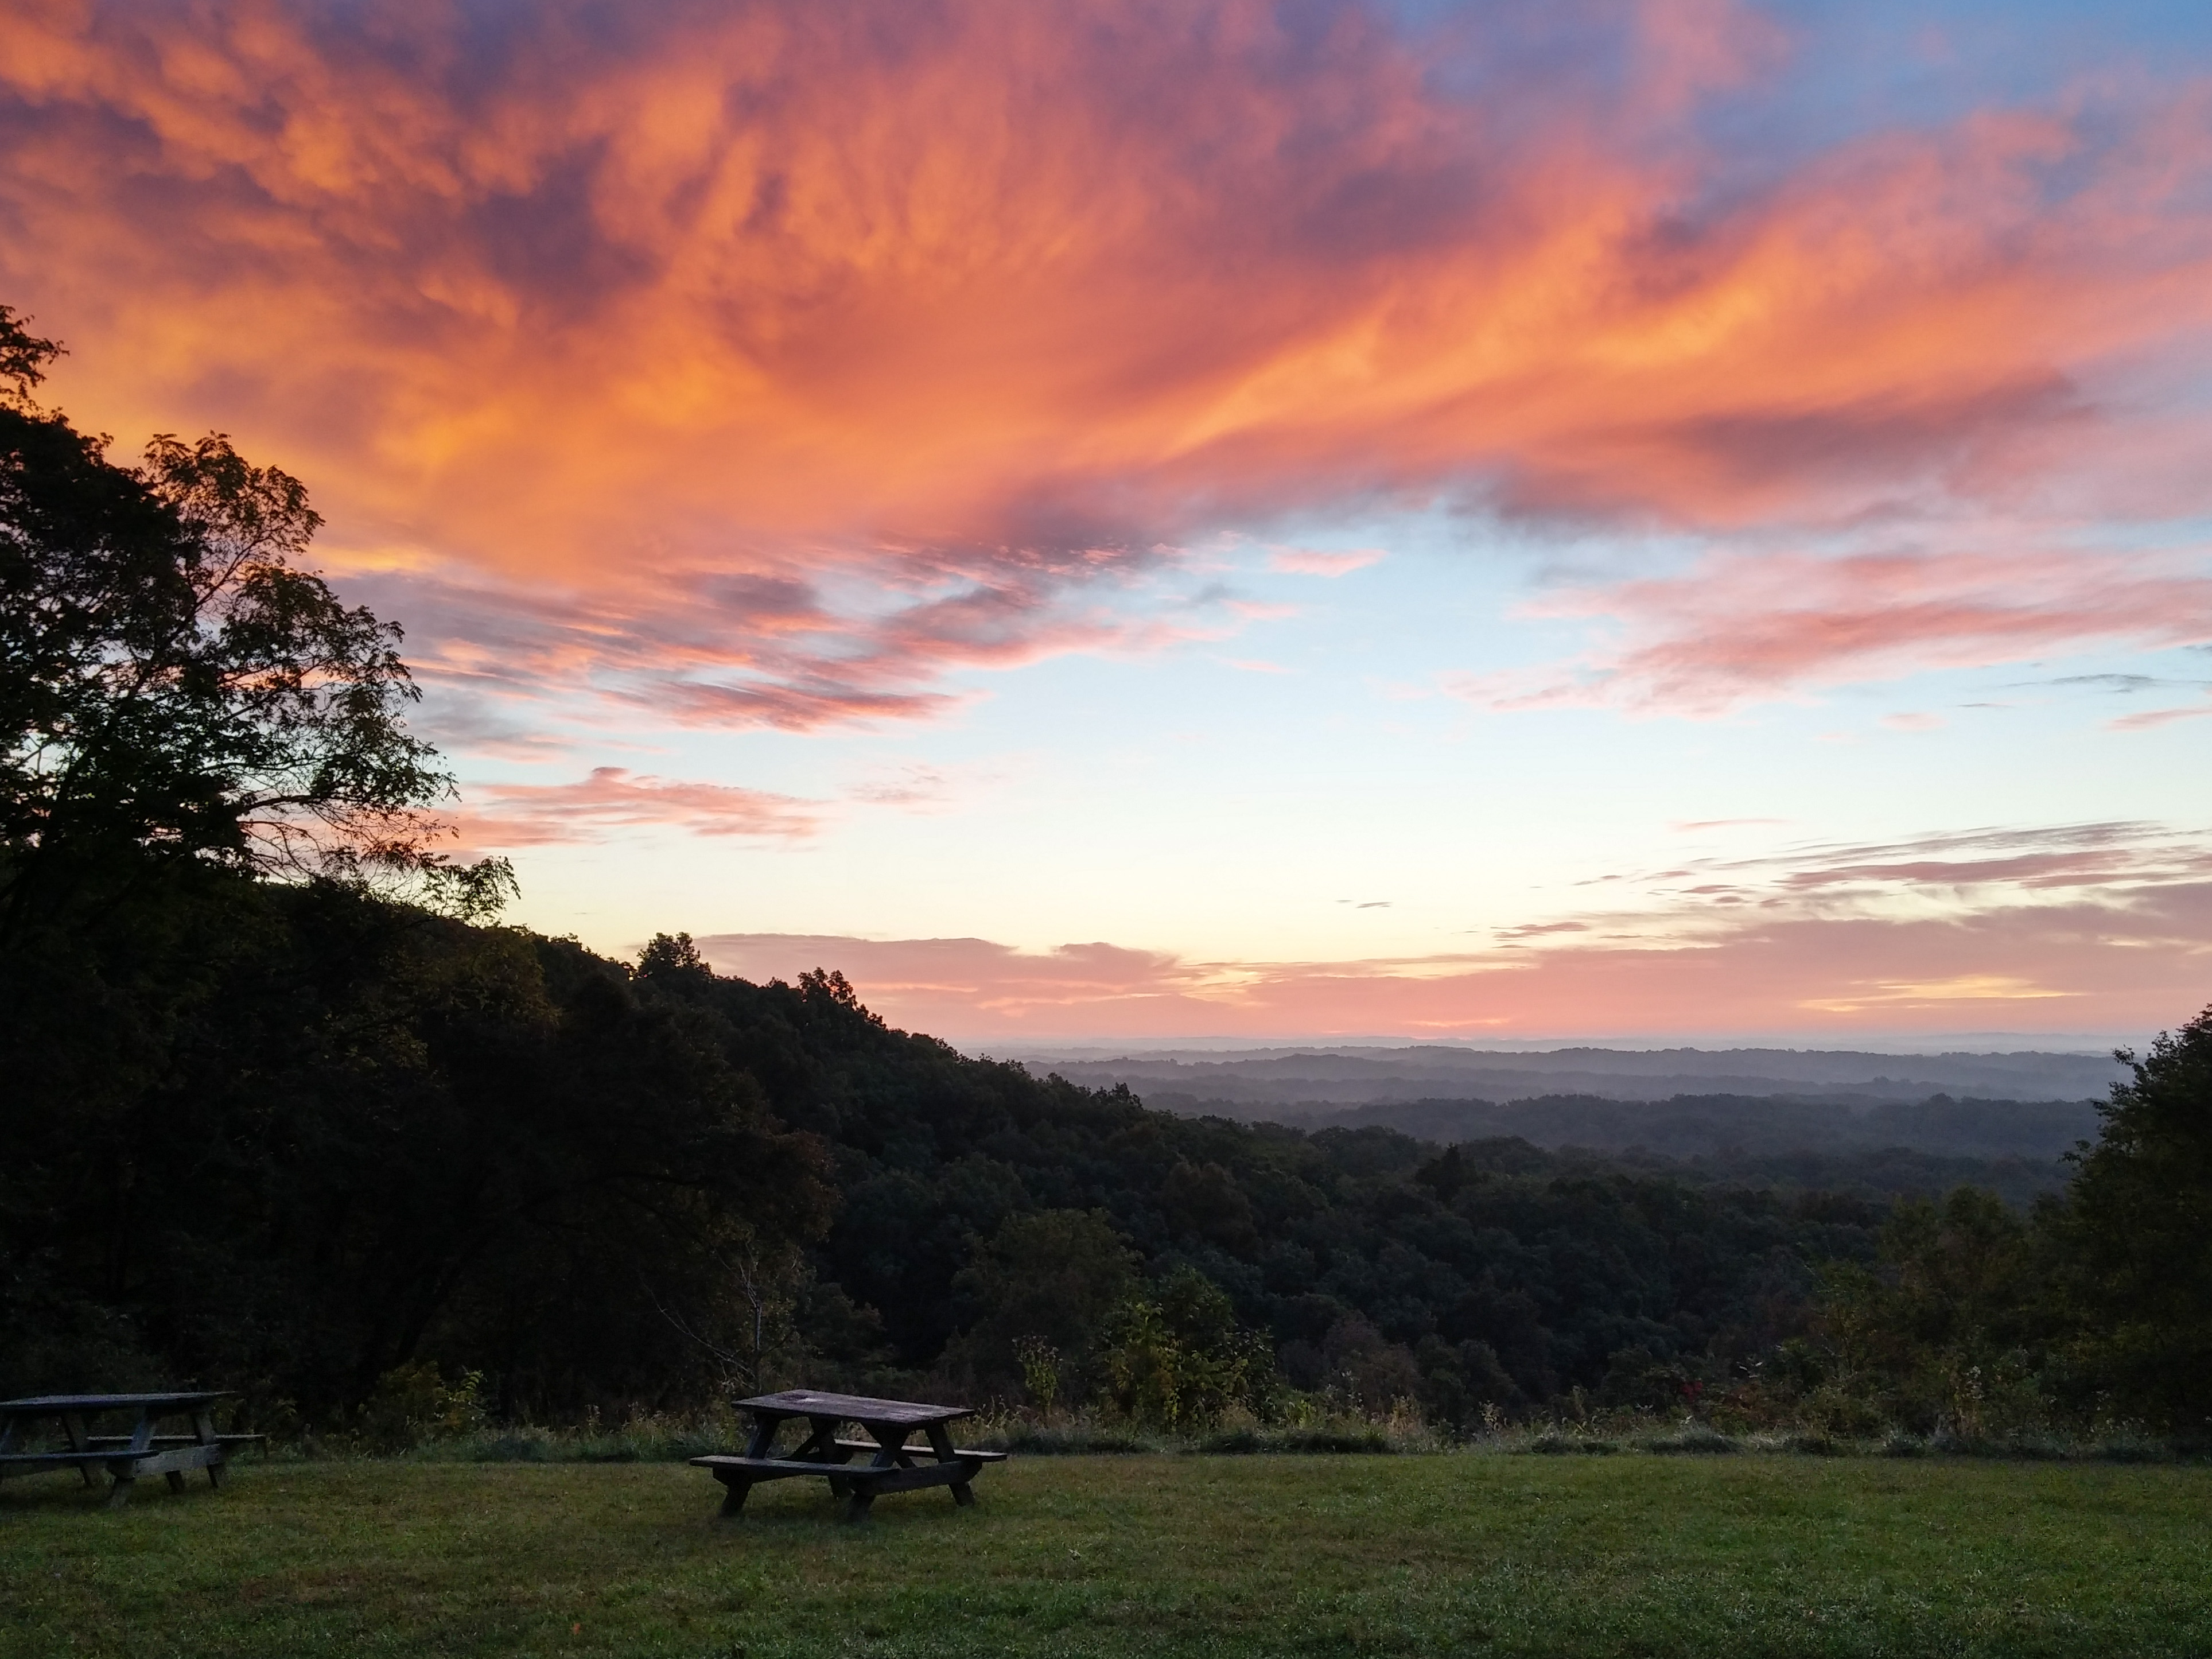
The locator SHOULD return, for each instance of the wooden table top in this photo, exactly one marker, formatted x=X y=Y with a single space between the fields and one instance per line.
x=854 y=1408
x=114 y=1402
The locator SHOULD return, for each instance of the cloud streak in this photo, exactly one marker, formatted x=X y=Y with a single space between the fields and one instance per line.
x=505 y=815
x=1743 y=627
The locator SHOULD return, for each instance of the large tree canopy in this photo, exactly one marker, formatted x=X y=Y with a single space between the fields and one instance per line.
x=172 y=681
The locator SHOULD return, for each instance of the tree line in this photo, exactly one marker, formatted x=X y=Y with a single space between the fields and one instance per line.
x=290 y=1111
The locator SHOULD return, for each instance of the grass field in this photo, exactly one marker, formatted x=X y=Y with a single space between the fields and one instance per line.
x=1156 y=1556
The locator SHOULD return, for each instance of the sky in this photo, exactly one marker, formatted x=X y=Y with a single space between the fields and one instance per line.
x=1155 y=519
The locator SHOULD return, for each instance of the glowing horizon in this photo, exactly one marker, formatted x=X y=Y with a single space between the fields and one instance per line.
x=1221 y=516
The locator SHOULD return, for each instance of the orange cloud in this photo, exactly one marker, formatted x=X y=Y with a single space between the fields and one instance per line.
x=991 y=306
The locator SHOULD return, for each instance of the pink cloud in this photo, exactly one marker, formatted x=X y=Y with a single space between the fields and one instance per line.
x=2156 y=717
x=510 y=815
x=1743 y=627
x=2069 y=968
x=1986 y=867
x=1306 y=562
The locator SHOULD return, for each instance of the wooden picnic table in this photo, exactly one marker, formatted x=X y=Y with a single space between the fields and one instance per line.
x=125 y=1457
x=894 y=1465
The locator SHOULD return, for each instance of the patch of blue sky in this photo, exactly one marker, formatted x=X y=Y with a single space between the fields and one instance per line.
x=1307 y=789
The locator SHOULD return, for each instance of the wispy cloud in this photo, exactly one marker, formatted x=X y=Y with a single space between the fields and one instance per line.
x=2150 y=718
x=1306 y=562
x=1743 y=627
x=511 y=815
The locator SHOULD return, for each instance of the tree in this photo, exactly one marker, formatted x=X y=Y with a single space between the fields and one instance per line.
x=1176 y=1356
x=175 y=685
x=2138 y=1225
x=1050 y=1277
x=1946 y=1332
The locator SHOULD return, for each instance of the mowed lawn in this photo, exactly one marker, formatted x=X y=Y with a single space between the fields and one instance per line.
x=1152 y=1556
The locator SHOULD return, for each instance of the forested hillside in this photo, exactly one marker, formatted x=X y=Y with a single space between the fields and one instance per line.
x=352 y=1135
x=347 y=1135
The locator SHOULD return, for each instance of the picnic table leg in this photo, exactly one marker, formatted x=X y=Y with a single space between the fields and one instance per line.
x=735 y=1488
x=142 y=1438
x=940 y=1442
x=891 y=1449
x=763 y=1435
x=856 y=1505
x=73 y=1426
x=203 y=1431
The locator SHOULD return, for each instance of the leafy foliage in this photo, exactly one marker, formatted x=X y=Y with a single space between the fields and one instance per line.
x=2137 y=1236
x=174 y=684
x=2096 y=1308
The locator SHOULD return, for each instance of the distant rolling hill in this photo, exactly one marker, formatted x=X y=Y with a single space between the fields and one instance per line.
x=1873 y=1124
x=1310 y=1077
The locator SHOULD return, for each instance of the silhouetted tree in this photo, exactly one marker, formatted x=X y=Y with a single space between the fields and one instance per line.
x=173 y=685
x=2137 y=1226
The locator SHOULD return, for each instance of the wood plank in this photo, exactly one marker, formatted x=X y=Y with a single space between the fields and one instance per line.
x=176 y=1440
x=765 y=1468
x=53 y=1405
x=30 y=1463
x=855 y=1408
x=916 y=1451
x=120 y=1460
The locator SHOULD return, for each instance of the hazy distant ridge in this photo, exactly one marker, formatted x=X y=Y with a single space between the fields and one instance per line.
x=1355 y=1076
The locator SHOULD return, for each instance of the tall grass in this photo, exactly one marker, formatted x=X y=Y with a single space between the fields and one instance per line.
x=658 y=1437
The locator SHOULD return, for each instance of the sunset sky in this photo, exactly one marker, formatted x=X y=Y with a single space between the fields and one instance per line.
x=1145 y=517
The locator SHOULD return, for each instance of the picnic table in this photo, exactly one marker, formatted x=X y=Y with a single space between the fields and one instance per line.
x=125 y=1457
x=893 y=1466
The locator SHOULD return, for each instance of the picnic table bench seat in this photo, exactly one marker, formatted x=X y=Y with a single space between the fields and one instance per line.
x=963 y=1451
x=174 y=1440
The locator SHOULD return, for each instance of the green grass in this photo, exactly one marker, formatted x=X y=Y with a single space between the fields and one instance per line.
x=1148 y=1555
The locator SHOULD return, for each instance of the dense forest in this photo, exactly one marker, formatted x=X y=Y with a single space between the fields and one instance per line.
x=290 y=1112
